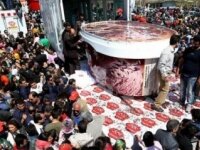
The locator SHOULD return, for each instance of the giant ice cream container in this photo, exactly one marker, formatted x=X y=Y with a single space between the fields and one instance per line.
x=123 y=55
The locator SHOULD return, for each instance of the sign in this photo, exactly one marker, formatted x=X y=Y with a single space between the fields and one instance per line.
x=12 y=25
x=11 y=22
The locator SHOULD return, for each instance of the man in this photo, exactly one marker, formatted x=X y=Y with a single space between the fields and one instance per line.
x=189 y=65
x=51 y=88
x=165 y=66
x=23 y=88
x=70 y=49
x=34 y=101
x=167 y=137
x=21 y=113
x=55 y=123
x=120 y=14
x=82 y=138
x=79 y=23
x=79 y=114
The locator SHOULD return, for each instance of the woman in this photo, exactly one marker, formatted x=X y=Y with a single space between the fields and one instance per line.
x=14 y=128
x=22 y=142
x=42 y=142
x=66 y=131
x=52 y=138
x=149 y=143
x=33 y=134
x=46 y=140
x=103 y=143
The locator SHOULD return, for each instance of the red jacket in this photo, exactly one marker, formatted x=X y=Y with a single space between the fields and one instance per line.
x=42 y=145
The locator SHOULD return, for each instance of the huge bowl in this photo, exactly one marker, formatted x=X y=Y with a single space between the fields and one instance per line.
x=123 y=55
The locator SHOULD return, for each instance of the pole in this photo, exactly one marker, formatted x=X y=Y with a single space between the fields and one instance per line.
x=62 y=10
x=128 y=10
x=130 y=7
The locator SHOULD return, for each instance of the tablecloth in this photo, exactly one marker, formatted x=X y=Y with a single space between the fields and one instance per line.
x=122 y=112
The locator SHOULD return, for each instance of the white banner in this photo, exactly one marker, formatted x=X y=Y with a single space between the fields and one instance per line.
x=11 y=22
x=52 y=18
x=12 y=25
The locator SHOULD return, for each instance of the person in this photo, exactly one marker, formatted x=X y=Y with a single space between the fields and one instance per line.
x=55 y=124
x=167 y=137
x=189 y=66
x=42 y=143
x=78 y=114
x=21 y=113
x=149 y=142
x=23 y=88
x=71 y=86
x=44 y=41
x=120 y=145
x=72 y=98
x=165 y=66
x=14 y=129
x=70 y=50
x=65 y=146
x=36 y=29
x=185 y=136
x=32 y=134
x=196 y=120
x=103 y=143
x=66 y=131
x=34 y=101
x=4 y=144
x=79 y=23
x=22 y=142
x=50 y=87
x=120 y=14
x=81 y=138
x=38 y=120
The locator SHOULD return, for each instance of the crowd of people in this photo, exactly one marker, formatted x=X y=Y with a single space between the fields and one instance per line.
x=40 y=108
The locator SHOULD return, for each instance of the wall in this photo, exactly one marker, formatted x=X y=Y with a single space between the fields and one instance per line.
x=168 y=4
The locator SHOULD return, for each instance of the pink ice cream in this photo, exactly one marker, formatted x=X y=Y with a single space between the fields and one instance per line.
x=126 y=77
x=120 y=75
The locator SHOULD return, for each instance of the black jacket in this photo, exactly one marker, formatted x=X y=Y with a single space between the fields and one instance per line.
x=166 y=139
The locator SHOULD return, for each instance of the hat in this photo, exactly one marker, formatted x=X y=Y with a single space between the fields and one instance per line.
x=65 y=147
x=4 y=79
x=74 y=96
x=68 y=126
x=119 y=10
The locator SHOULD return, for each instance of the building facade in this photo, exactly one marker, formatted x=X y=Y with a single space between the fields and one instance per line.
x=168 y=3
x=93 y=10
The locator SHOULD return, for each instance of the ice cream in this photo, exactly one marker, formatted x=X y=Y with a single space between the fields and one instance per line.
x=127 y=31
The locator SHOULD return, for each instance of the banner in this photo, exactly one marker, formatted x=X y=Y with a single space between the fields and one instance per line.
x=52 y=19
x=130 y=77
x=10 y=21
